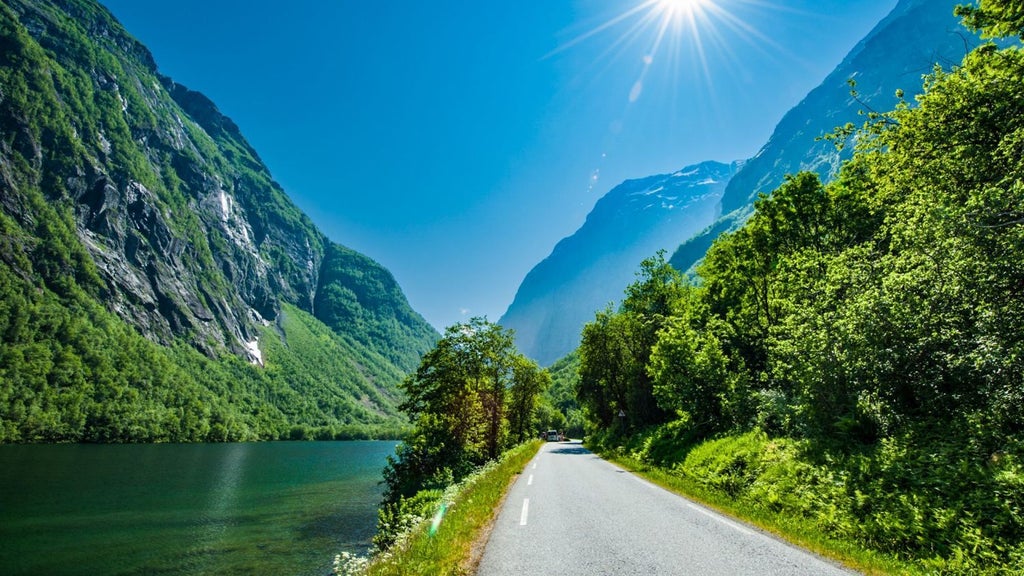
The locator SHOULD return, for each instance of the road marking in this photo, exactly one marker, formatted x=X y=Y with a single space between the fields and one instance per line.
x=710 y=514
x=529 y=482
x=526 y=510
x=534 y=464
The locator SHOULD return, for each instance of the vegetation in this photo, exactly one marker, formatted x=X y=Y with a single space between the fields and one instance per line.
x=558 y=408
x=472 y=398
x=360 y=299
x=852 y=357
x=106 y=169
x=443 y=530
x=71 y=372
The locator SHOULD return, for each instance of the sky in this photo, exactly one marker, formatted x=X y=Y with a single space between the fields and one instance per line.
x=457 y=141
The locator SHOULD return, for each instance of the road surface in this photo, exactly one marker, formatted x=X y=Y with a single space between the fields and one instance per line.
x=572 y=513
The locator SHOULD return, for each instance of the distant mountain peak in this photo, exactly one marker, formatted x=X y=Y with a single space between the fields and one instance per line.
x=589 y=269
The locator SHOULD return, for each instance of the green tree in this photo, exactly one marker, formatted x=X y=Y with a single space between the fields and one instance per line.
x=694 y=378
x=528 y=383
x=461 y=399
x=614 y=384
x=607 y=361
x=994 y=17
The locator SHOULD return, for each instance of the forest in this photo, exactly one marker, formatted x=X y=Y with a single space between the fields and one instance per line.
x=853 y=355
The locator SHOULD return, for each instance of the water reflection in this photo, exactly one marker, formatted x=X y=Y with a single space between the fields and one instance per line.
x=223 y=498
x=265 y=508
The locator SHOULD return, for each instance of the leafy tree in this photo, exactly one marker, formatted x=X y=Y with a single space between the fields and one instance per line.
x=994 y=17
x=614 y=384
x=469 y=392
x=528 y=383
x=694 y=378
x=607 y=362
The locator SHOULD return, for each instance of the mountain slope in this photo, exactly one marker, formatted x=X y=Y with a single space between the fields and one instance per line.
x=906 y=44
x=588 y=270
x=128 y=200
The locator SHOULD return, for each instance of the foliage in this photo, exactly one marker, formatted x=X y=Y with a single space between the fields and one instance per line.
x=559 y=409
x=441 y=538
x=106 y=173
x=615 y=388
x=853 y=355
x=471 y=398
x=994 y=17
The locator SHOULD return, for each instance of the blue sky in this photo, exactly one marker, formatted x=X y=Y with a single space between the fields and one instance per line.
x=456 y=141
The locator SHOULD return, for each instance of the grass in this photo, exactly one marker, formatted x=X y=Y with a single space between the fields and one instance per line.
x=798 y=531
x=455 y=547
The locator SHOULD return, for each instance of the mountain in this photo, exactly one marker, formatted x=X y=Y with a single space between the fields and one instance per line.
x=591 y=268
x=140 y=228
x=588 y=270
x=907 y=44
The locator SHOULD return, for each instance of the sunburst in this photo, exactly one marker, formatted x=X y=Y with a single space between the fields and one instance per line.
x=672 y=28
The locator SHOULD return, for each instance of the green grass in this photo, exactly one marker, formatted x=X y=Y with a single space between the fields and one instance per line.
x=456 y=545
x=796 y=530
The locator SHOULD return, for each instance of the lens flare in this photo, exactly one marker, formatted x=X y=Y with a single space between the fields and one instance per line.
x=678 y=8
x=677 y=31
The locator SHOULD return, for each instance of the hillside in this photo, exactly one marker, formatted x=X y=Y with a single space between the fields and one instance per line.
x=141 y=229
x=588 y=270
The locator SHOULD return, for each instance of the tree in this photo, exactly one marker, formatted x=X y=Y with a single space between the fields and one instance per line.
x=994 y=17
x=606 y=363
x=468 y=393
x=693 y=377
x=614 y=385
x=528 y=383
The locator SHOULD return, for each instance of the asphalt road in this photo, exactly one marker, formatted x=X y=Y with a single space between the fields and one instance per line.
x=572 y=513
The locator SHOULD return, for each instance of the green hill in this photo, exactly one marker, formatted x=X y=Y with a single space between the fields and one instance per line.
x=156 y=283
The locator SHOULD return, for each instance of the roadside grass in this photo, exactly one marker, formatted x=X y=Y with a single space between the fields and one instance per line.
x=795 y=530
x=455 y=546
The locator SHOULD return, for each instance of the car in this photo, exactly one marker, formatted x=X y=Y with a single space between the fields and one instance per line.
x=552 y=436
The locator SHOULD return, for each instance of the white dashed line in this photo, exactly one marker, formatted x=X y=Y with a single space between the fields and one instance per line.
x=529 y=481
x=526 y=510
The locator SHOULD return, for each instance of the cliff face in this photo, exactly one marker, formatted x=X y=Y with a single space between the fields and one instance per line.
x=590 y=269
x=129 y=205
x=191 y=236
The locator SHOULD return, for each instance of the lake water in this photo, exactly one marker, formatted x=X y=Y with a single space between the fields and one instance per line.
x=282 y=508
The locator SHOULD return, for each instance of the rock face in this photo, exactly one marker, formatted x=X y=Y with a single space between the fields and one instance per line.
x=192 y=238
x=907 y=44
x=588 y=270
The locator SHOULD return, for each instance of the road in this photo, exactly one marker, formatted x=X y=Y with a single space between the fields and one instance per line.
x=572 y=513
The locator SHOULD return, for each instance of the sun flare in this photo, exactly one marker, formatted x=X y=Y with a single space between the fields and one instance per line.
x=676 y=8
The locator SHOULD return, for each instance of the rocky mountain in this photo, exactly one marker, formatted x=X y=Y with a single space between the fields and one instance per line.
x=907 y=44
x=129 y=200
x=588 y=270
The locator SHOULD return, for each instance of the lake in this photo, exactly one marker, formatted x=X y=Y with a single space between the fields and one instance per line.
x=275 y=508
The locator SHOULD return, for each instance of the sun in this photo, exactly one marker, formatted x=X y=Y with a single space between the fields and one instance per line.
x=698 y=34
x=680 y=8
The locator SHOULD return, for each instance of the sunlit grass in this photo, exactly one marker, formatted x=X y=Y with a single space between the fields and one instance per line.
x=450 y=547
